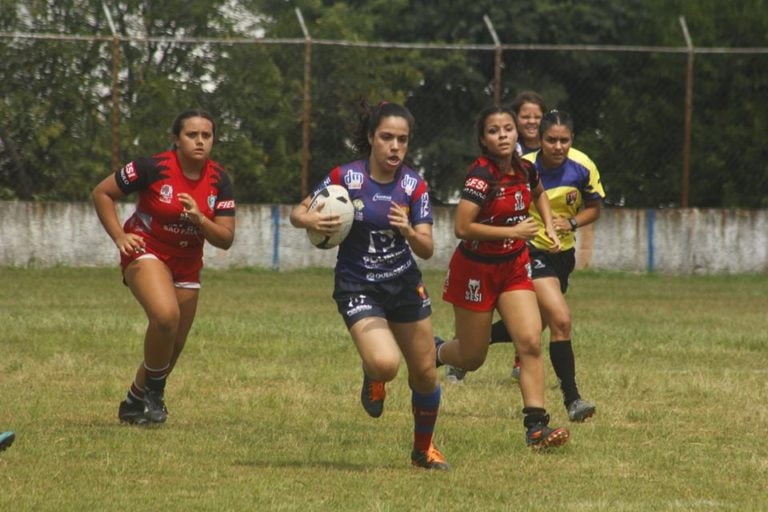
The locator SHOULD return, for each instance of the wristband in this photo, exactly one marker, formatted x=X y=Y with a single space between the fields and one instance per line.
x=573 y=223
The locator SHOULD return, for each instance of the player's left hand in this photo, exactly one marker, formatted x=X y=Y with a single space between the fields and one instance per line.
x=398 y=218
x=191 y=208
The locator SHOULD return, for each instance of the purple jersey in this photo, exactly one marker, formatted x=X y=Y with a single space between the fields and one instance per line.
x=374 y=251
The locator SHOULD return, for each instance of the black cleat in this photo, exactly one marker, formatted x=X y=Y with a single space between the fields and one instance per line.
x=155 y=410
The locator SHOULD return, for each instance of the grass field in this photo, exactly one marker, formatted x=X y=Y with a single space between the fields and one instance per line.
x=265 y=414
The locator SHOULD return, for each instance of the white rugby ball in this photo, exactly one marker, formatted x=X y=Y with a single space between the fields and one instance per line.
x=337 y=202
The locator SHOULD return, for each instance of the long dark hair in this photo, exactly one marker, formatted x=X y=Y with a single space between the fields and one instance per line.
x=517 y=162
x=369 y=118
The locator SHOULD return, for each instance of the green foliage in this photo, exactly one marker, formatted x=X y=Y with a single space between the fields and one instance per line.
x=56 y=108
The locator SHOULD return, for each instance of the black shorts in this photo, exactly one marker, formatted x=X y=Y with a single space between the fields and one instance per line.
x=401 y=300
x=547 y=264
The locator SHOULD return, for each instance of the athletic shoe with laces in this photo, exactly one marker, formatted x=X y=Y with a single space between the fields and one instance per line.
x=132 y=413
x=516 y=370
x=454 y=374
x=430 y=459
x=372 y=396
x=541 y=436
x=580 y=410
x=6 y=440
x=155 y=406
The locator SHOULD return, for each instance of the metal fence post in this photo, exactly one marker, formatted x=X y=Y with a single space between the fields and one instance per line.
x=497 y=62
x=305 y=133
x=115 y=91
x=688 y=115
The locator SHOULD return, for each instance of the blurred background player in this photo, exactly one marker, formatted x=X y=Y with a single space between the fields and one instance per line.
x=378 y=286
x=575 y=193
x=490 y=268
x=529 y=107
x=184 y=200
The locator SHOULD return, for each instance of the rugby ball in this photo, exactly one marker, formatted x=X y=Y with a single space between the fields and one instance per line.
x=337 y=202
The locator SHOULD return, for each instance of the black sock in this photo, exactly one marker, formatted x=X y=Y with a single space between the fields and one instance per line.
x=499 y=333
x=535 y=416
x=156 y=378
x=561 y=355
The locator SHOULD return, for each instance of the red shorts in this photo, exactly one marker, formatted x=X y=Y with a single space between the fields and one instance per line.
x=476 y=286
x=185 y=271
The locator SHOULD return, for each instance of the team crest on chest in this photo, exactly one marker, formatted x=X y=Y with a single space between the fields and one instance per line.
x=359 y=205
x=570 y=197
x=166 y=194
x=211 y=201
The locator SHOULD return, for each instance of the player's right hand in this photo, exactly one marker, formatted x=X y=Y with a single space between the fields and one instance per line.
x=527 y=229
x=130 y=243
x=326 y=224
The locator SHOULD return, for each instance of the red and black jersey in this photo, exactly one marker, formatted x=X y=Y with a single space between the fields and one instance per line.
x=160 y=218
x=503 y=198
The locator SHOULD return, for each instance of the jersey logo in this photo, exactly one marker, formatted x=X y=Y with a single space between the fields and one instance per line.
x=477 y=184
x=570 y=197
x=354 y=179
x=211 y=201
x=473 y=293
x=128 y=174
x=227 y=204
x=359 y=206
x=409 y=184
x=424 y=210
x=166 y=194
x=382 y=197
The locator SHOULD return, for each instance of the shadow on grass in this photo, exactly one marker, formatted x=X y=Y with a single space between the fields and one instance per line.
x=324 y=464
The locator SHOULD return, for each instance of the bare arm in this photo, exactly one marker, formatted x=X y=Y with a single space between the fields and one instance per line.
x=104 y=197
x=301 y=217
x=419 y=237
x=219 y=232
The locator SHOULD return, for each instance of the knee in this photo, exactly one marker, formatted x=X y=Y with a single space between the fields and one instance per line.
x=529 y=346
x=166 y=319
x=560 y=326
x=382 y=368
x=424 y=380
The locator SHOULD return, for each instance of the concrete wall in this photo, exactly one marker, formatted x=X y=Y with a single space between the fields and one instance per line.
x=670 y=241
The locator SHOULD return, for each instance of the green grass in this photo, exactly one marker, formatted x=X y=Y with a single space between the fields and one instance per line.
x=265 y=414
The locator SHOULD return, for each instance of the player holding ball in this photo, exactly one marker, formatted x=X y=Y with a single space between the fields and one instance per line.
x=378 y=287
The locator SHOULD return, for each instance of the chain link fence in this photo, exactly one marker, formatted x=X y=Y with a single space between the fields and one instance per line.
x=75 y=107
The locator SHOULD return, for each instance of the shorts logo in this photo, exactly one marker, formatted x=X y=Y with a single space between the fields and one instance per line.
x=354 y=179
x=166 y=194
x=357 y=305
x=537 y=264
x=473 y=293
x=409 y=184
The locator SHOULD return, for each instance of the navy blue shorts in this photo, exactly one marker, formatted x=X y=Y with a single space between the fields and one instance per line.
x=547 y=264
x=401 y=300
